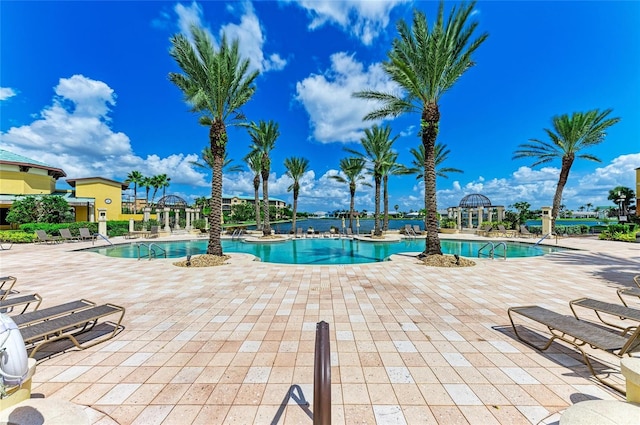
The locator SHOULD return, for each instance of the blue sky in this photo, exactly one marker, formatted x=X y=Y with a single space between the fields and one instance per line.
x=84 y=87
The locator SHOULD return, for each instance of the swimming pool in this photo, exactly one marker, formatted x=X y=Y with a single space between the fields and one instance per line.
x=324 y=251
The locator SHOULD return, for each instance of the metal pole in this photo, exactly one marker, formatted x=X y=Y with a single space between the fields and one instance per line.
x=322 y=376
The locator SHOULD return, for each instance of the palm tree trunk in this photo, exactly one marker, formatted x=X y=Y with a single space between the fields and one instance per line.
x=352 y=204
x=377 y=231
x=217 y=138
x=266 y=229
x=430 y=120
x=135 y=198
x=256 y=197
x=295 y=210
x=385 y=191
x=567 y=161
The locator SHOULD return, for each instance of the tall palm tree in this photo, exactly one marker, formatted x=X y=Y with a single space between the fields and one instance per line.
x=208 y=163
x=352 y=168
x=135 y=177
x=157 y=182
x=569 y=136
x=147 y=183
x=254 y=161
x=296 y=167
x=377 y=145
x=441 y=155
x=426 y=62
x=264 y=135
x=216 y=83
x=391 y=168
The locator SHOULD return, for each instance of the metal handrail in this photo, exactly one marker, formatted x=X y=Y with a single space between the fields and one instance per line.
x=504 y=252
x=490 y=251
x=138 y=245
x=541 y=239
x=95 y=236
x=322 y=376
x=152 y=249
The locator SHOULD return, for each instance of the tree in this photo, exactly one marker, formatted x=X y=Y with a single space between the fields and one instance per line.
x=569 y=136
x=254 y=161
x=352 y=168
x=147 y=183
x=208 y=162
x=524 y=213
x=159 y=181
x=377 y=153
x=391 y=168
x=264 y=135
x=136 y=178
x=296 y=167
x=39 y=209
x=241 y=212
x=426 y=63
x=441 y=153
x=623 y=197
x=216 y=83
x=589 y=205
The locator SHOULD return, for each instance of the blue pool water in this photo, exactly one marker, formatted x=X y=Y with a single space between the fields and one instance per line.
x=324 y=251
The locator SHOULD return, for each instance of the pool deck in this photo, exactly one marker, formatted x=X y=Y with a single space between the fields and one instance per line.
x=409 y=344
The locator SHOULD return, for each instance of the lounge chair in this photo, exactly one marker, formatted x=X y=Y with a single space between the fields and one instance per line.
x=299 y=233
x=71 y=326
x=6 y=286
x=601 y=308
x=484 y=231
x=348 y=232
x=634 y=292
x=578 y=333
x=154 y=233
x=416 y=229
x=5 y=245
x=85 y=234
x=46 y=239
x=525 y=233
x=504 y=232
x=8 y=305
x=26 y=319
x=67 y=236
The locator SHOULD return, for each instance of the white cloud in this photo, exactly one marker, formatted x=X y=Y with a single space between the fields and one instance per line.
x=362 y=19
x=248 y=32
x=334 y=114
x=6 y=93
x=74 y=133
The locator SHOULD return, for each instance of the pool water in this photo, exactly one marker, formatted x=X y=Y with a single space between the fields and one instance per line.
x=324 y=251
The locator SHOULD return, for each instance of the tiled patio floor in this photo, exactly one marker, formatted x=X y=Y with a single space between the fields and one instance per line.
x=409 y=344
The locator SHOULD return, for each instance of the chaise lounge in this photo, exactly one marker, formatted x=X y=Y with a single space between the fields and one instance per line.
x=578 y=333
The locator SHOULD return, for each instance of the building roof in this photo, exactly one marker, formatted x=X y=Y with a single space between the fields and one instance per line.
x=72 y=182
x=11 y=158
x=68 y=196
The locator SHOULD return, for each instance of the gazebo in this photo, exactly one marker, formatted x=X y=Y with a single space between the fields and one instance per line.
x=174 y=203
x=478 y=204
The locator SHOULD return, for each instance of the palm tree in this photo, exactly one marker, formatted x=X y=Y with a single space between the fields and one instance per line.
x=264 y=135
x=569 y=136
x=441 y=154
x=623 y=197
x=147 y=183
x=296 y=167
x=136 y=178
x=254 y=161
x=391 y=168
x=216 y=83
x=589 y=205
x=427 y=62
x=156 y=183
x=377 y=152
x=207 y=162
x=352 y=168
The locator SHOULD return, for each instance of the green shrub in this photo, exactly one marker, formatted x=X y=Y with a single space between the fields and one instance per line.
x=16 y=236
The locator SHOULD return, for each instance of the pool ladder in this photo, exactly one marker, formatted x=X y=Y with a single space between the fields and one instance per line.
x=493 y=249
x=236 y=234
x=151 y=250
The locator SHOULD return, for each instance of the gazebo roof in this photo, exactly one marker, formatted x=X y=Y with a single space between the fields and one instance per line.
x=172 y=201
x=474 y=200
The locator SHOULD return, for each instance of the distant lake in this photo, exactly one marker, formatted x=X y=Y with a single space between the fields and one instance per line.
x=324 y=224
x=572 y=222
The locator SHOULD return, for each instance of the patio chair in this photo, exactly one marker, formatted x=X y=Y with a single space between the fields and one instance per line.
x=26 y=319
x=46 y=239
x=578 y=333
x=85 y=234
x=72 y=327
x=525 y=233
x=67 y=236
x=9 y=305
x=634 y=292
x=6 y=286
x=416 y=229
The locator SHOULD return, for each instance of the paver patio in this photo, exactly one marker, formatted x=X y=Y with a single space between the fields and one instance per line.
x=409 y=344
